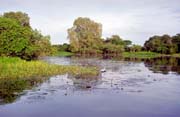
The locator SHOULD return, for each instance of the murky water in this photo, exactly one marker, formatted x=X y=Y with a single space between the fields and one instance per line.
x=128 y=88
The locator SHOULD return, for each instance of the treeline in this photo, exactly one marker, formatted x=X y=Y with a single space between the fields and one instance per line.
x=18 y=38
x=86 y=38
x=163 y=44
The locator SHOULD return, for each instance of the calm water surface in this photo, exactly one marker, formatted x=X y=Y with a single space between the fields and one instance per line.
x=128 y=88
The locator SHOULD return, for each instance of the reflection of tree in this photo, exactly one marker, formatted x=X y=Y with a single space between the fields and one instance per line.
x=163 y=64
x=11 y=89
x=85 y=81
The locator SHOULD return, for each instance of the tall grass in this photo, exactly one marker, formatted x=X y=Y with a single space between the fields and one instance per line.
x=17 y=68
x=63 y=53
x=142 y=54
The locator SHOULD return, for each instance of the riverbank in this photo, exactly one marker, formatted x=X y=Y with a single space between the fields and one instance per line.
x=141 y=54
x=145 y=54
x=63 y=53
x=18 y=68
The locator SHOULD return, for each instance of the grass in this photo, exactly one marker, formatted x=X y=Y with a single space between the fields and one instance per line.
x=17 y=68
x=63 y=53
x=142 y=54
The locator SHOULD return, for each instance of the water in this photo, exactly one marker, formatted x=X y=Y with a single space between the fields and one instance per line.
x=128 y=88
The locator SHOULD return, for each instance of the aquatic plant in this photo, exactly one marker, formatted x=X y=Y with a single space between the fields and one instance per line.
x=17 y=68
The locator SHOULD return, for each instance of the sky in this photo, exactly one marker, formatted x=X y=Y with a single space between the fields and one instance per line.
x=136 y=20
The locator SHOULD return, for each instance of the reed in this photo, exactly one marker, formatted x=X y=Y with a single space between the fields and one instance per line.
x=17 y=68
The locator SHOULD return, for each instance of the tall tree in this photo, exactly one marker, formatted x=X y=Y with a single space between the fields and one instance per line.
x=161 y=44
x=85 y=35
x=14 y=39
x=176 y=42
x=20 y=17
x=17 y=38
x=115 y=39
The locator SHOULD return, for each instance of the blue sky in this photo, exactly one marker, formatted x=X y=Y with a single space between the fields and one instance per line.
x=135 y=20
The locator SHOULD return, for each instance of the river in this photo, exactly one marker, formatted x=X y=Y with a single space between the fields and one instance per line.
x=127 y=88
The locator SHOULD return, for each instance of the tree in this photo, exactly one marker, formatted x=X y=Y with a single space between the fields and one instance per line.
x=135 y=48
x=13 y=38
x=109 y=48
x=41 y=44
x=176 y=42
x=127 y=42
x=161 y=44
x=20 y=17
x=115 y=39
x=85 y=35
x=17 y=38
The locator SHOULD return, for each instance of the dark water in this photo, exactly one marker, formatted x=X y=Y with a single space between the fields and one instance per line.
x=128 y=88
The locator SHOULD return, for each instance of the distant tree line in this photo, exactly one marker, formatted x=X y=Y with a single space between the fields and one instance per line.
x=163 y=44
x=17 y=38
x=86 y=38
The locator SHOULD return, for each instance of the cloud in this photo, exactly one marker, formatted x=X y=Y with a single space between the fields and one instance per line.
x=134 y=20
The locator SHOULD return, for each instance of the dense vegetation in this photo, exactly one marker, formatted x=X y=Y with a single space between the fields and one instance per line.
x=163 y=44
x=17 y=38
x=86 y=38
x=16 y=68
x=141 y=54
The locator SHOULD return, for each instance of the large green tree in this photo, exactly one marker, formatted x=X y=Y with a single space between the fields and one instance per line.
x=20 y=17
x=41 y=44
x=115 y=39
x=14 y=39
x=85 y=36
x=162 y=44
x=17 y=38
x=176 y=42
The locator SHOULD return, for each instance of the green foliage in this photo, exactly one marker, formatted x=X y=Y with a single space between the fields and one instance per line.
x=127 y=42
x=41 y=44
x=118 y=43
x=115 y=39
x=63 y=47
x=163 y=44
x=176 y=42
x=85 y=36
x=141 y=54
x=62 y=53
x=17 y=38
x=16 y=68
x=13 y=38
x=20 y=17
x=110 y=48
x=135 y=48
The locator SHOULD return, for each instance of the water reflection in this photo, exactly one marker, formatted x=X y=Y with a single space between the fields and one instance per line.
x=12 y=89
x=163 y=65
x=85 y=82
